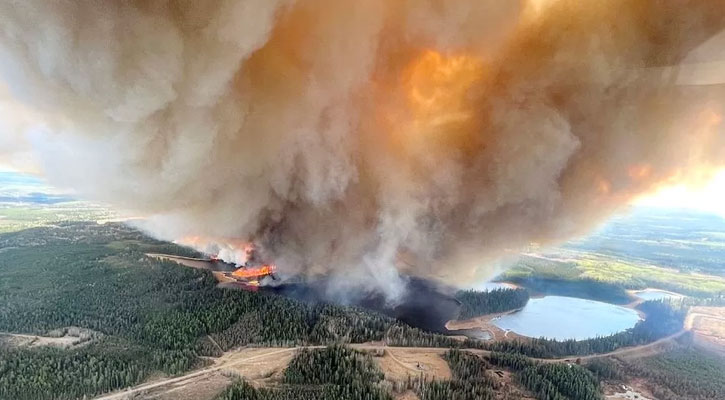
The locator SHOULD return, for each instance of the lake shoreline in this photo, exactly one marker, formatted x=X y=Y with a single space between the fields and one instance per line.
x=487 y=323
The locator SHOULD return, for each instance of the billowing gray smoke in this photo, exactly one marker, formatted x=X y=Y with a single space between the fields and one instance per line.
x=362 y=139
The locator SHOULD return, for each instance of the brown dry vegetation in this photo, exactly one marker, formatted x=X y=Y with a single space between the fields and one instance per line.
x=398 y=364
x=708 y=324
x=204 y=388
x=262 y=368
x=256 y=365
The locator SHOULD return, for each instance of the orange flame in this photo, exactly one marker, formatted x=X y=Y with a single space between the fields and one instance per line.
x=255 y=272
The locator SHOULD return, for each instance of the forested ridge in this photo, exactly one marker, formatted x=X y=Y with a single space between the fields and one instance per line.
x=476 y=303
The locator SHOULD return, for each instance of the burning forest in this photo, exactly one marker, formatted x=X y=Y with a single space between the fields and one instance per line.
x=364 y=141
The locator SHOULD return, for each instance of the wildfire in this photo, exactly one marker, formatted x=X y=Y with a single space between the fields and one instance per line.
x=235 y=251
x=254 y=272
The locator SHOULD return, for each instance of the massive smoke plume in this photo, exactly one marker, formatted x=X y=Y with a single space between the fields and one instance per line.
x=365 y=139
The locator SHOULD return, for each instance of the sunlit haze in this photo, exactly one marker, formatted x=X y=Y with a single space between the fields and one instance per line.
x=709 y=197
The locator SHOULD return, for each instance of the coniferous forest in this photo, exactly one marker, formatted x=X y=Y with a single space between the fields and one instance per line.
x=683 y=373
x=550 y=381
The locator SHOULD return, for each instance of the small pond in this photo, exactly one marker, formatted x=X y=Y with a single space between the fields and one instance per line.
x=654 y=294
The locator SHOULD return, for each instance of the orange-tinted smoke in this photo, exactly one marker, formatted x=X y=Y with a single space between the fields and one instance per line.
x=338 y=135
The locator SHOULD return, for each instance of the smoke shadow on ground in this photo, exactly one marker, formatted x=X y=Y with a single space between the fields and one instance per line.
x=424 y=305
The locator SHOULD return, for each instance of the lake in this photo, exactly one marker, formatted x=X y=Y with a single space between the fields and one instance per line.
x=561 y=318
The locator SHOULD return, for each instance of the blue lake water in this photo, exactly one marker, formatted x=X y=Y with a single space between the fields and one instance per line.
x=561 y=318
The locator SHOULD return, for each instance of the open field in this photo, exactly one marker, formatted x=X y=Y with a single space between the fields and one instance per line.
x=257 y=365
x=708 y=324
x=399 y=364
